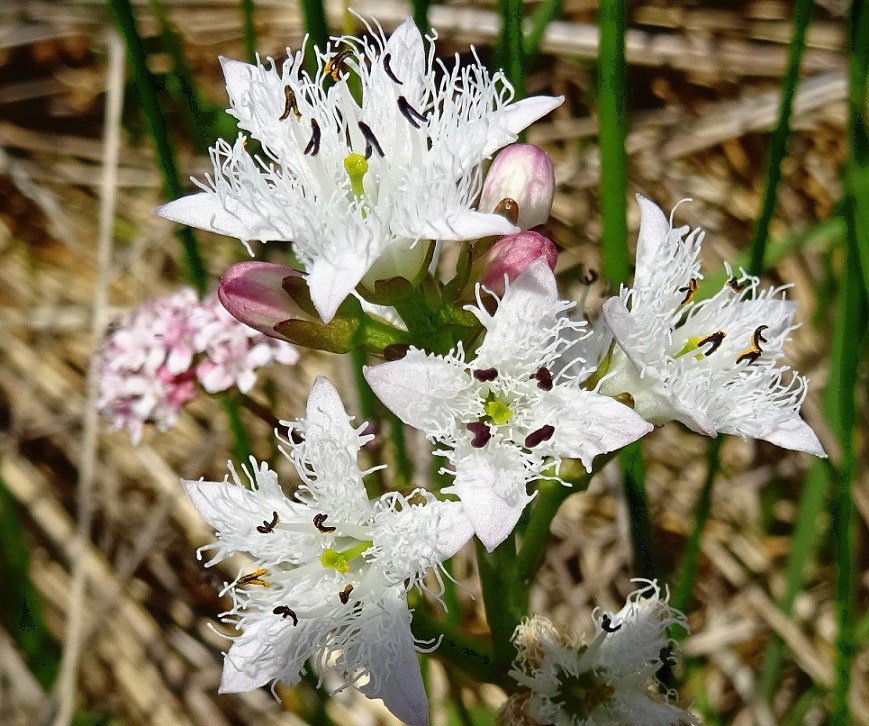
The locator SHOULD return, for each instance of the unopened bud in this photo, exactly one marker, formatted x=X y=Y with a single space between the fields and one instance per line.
x=253 y=293
x=511 y=255
x=520 y=177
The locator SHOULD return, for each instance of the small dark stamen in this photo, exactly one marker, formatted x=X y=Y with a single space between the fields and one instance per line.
x=735 y=285
x=290 y=105
x=750 y=355
x=544 y=379
x=313 y=147
x=757 y=338
x=589 y=277
x=625 y=398
x=336 y=63
x=414 y=117
x=666 y=656
x=286 y=612
x=606 y=623
x=481 y=434
x=544 y=433
x=254 y=579
x=714 y=340
x=319 y=520
x=371 y=143
x=395 y=351
x=689 y=291
x=392 y=76
x=344 y=595
x=486 y=374
x=509 y=209
x=268 y=527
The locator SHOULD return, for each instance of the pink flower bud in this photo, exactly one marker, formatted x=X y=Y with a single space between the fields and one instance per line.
x=511 y=255
x=253 y=293
x=520 y=185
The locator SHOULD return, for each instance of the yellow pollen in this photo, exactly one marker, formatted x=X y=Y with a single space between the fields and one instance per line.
x=498 y=411
x=254 y=579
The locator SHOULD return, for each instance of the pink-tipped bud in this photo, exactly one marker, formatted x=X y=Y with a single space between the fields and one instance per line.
x=520 y=185
x=253 y=293
x=511 y=255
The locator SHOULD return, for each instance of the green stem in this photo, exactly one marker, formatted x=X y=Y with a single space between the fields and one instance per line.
x=248 y=30
x=634 y=473
x=420 y=15
x=778 y=145
x=315 y=23
x=612 y=116
x=504 y=597
x=241 y=450
x=511 y=50
x=149 y=102
x=682 y=594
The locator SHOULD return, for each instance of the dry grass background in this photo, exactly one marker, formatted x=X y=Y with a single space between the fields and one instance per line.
x=703 y=93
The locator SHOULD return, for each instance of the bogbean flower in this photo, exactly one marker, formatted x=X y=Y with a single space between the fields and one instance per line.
x=359 y=187
x=710 y=364
x=502 y=418
x=610 y=681
x=150 y=362
x=329 y=568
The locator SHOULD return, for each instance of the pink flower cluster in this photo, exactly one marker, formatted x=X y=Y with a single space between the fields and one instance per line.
x=150 y=361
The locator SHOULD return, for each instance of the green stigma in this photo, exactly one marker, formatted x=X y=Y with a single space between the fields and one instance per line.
x=498 y=411
x=689 y=346
x=334 y=560
x=582 y=694
x=356 y=167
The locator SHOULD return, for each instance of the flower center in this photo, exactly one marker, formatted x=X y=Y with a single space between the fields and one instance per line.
x=580 y=695
x=498 y=411
x=356 y=166
x=332 y=559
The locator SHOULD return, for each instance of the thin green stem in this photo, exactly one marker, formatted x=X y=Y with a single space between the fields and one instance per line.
x=149 y=102
x=778 y=145
x=548 y=11
x=241 y=450
x=248 y=30
x=682 y=595
x=504 y=597
x=645 y=556
x=420 y=15
x=511 y=48
x=316 y=24
x=402 y=466
x=612 y=116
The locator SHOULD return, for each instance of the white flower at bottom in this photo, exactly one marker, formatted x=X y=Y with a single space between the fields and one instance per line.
x=709 y=364
x=330 y=568
x=609 y=682
x=507 y=416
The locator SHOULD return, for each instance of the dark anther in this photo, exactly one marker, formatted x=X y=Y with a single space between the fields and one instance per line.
x=606 y=622
x=290 y=104
x=395 y=351
x=509 y=209
x=757 y=338
x=344 y=595
x=544 y=433
x=313 y=146
x=689 y=291
x=544 y=379
x=285 y=613
x=666 y=656
x=481 y=434
x=393 y=77
x=751 y=355
x=254 y=579
x=267 y=527
x=319 y=520
x=589 y=277
x=371 y=143
x=735 y=285
x=714 y=340
x=486 y=374
x=414 y=117
x=336 y=63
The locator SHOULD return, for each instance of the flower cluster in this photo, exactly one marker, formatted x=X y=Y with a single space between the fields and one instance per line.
x=150 y=362
x=610 y=681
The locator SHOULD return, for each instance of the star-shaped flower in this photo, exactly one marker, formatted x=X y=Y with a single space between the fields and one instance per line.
x=709 y=364
x=357 y=185
x=330 y=568
x=505 y=416
x=604 y=683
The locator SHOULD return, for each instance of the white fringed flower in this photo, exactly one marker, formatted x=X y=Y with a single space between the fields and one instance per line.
x=330 y=568
x=505 y=417
x=709 y=364
x=356 y=185
x=608 y=682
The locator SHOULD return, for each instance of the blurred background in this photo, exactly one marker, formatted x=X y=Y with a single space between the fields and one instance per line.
x=105 y=613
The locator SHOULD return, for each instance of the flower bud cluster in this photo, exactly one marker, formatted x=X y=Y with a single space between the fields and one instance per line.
x=151 y=361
